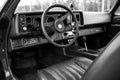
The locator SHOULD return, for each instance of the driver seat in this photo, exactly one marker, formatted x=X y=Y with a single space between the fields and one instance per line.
x=68 y=70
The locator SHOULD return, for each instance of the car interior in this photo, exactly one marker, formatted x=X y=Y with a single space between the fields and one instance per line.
x=59 y=45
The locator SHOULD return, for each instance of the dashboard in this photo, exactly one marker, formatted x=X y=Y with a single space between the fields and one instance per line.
x=26 y=28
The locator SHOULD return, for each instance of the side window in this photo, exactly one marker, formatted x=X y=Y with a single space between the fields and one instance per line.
x=98 y=5
x=118 y=11
x=2 y=3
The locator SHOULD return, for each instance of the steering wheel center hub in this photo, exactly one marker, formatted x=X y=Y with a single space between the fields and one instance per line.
x=59 y=26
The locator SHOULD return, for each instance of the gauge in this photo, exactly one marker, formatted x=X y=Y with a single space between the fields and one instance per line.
x=50 y=19
x=28 y=20
x=50 y=30
x=22 y=20
x=37 y=23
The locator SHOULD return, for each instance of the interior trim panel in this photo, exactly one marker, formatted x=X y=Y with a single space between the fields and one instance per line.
x=96 y=18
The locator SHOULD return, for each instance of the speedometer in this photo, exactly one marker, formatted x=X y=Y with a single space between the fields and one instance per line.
x=50 y=19
x=36 y=24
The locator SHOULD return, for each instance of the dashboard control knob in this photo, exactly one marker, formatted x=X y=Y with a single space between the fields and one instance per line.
x=25 y=28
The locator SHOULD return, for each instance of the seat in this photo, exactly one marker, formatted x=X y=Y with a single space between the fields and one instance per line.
x=68 y=70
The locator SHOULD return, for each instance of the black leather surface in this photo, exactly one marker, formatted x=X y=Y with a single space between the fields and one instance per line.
x=68 y=70
x=107 y=65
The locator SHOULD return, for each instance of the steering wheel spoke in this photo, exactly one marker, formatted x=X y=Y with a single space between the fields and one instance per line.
x=64 y=17
x=55 y=36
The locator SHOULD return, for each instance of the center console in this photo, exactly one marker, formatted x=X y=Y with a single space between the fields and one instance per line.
x=75 y=51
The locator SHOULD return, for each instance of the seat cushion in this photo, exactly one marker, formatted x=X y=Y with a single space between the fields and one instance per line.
x=68 y=70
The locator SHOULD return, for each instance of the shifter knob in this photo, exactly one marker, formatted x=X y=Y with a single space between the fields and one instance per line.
x=84 y=38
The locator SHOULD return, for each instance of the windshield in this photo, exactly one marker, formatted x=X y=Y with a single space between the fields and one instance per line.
x=83 y=5
x=2 y=2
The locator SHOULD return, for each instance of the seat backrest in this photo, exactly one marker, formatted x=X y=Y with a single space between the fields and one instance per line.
x=107 y=65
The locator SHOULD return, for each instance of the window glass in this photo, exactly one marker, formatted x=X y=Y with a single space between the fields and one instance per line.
x=118 y=11
x=2 y=2
x=83 y=5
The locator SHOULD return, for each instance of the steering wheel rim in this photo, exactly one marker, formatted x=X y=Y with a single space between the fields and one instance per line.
x=45 y=32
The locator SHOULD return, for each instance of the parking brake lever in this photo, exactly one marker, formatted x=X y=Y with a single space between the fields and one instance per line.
x=85 y=44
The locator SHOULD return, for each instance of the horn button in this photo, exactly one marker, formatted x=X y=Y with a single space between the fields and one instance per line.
x=59 y=26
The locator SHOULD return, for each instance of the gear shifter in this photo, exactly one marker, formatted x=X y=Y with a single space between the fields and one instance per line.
x=85 y=44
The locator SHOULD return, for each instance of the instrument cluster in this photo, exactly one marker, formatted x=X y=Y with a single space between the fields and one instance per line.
x=29 y=23
x=32 y=23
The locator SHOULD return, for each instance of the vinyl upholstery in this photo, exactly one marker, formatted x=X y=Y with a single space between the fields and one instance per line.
x=68 y=70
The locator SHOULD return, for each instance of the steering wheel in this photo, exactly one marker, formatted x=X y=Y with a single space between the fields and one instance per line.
x=59 y=26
